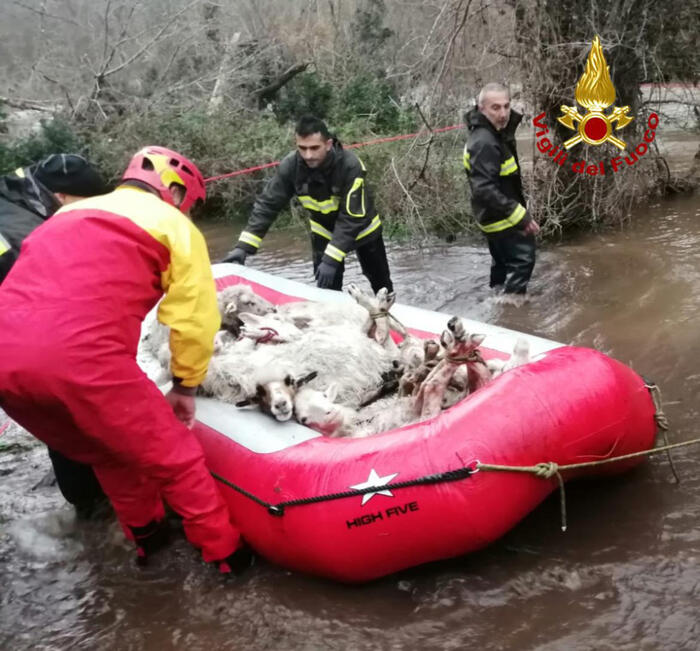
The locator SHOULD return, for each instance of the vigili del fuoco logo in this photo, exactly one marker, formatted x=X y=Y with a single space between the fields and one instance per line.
x=595 y=93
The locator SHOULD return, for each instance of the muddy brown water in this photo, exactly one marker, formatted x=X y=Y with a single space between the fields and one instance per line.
x=626 y=574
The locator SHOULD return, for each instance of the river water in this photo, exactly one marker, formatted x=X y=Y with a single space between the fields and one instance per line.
x=626 y=574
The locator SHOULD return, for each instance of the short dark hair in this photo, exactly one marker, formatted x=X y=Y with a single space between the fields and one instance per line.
x=310 y=124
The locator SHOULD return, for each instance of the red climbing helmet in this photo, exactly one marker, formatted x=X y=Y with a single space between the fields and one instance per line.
x=160 y=168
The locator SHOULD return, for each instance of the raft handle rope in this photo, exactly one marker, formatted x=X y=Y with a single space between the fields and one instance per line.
x=279 y=508
x=543 y=470
x=662 y=423
x=550 y=469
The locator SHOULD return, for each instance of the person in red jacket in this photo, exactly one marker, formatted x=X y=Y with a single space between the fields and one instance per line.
x=70 y=323
x=28 y=197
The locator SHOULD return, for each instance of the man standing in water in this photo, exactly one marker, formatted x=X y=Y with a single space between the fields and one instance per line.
x=28 y=197
x=69 y=328
x=329 y=182
x=498 y=203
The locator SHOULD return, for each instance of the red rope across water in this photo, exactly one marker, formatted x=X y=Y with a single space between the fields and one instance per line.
x=248 y=170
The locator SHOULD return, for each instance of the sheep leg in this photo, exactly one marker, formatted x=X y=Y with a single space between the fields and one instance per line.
x=478 y=375
x=428 y=400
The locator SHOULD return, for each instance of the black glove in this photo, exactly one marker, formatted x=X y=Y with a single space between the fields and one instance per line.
x=149 y=539
x=236 y=256
x=238 y=562
x=325 y=275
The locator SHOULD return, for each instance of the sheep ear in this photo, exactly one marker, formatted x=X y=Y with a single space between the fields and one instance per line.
x=390 y=298
x=244 y=403
x=477 y=339
x=331 y=391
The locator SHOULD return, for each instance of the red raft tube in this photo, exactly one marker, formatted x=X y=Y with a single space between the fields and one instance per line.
x=294 y=493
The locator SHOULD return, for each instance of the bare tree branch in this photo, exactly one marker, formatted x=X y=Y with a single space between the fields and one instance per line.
x=268 y=91
x=41 y=12
x=27 y=104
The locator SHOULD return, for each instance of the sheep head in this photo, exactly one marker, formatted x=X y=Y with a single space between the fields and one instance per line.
x=318 y=410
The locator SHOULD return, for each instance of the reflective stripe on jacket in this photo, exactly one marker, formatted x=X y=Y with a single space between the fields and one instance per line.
x=336 y=196
x=491 y=162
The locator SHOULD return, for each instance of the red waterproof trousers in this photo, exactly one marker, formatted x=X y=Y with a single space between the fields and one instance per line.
x=119 y=422
x=71 y=310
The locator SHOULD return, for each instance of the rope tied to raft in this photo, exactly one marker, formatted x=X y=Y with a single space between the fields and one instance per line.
x=550 y=469
x=279 y=508
x=544 y=470
x=662 y=423
x=547 y=470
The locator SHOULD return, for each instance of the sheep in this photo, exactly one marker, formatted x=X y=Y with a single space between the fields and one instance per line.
x=155 y=340
x=231 y=301
x=519 y=357
x=411 y=381
x=320 y=411
x=377 y=325
x=239 y=298
x=384 y=415
x=234 y=373
x=412 y=352
x=307 y=315
x=460 y=348
x=457 y=388
x=267 y=329
x=276 y=396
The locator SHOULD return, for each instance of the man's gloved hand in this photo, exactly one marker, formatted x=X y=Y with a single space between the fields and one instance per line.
x=325 y=275
x=237 y=256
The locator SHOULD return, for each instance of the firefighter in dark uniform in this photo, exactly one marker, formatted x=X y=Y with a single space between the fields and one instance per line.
x=28 y=197
x=498 y=204
x=329 y=182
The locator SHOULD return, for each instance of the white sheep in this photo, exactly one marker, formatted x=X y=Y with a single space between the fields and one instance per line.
x=313 y=314
x=320 y=411
x=270 y=328
x=336 y=353
x=519 y=357
x=239 y=298
x=460 y=348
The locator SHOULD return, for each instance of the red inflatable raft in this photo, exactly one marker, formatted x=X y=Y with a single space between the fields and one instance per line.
x=296 y=496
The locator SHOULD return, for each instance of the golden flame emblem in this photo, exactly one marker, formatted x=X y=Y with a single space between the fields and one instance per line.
x=595 y=92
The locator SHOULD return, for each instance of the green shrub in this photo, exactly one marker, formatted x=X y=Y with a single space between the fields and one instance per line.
x=225 y=142
x=370 y=99
x=54 y=136
x=305 y=94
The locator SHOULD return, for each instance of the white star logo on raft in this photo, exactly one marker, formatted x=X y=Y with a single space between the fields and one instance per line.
x=375 y=480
